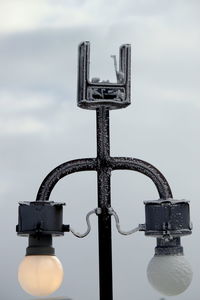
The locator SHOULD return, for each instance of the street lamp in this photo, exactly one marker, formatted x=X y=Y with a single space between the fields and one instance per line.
x=166 y=219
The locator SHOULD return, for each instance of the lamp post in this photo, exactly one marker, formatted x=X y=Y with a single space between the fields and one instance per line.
x=166 y=219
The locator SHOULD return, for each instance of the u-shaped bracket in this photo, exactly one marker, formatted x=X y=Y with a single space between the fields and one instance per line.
x=115 y=163
x=94 y=93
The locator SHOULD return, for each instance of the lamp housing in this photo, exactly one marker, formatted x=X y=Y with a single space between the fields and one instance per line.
x=44 y=217
x=167 y=218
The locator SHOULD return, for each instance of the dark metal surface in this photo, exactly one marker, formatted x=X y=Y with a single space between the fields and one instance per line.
x=73 y=166
x=104 y=202
x=128 y=163
x=94 y=93
x=40 y=244
x=112 y=163
x=167 y=218
x=169 y=246
x=43 y=217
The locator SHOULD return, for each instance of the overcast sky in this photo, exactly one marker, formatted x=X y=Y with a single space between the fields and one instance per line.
x=41 y=127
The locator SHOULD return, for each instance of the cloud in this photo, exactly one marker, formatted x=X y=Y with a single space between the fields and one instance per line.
x=23 y=111
x=24 y=15
x=21 y=15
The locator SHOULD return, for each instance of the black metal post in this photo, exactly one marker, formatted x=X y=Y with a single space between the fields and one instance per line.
x=104 y=202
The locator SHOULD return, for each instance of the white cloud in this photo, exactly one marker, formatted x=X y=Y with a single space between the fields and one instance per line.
x=23 y=15
x=18 y=113
x=35 y=113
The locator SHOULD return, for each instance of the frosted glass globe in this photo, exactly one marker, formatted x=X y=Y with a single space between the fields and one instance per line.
x=169 y=274
x=40 y=275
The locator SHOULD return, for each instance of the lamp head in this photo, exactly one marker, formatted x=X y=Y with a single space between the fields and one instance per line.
x=167 y=220
x=40 y=272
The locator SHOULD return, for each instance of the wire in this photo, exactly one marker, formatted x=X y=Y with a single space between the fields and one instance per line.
x=114 y=214
x=96 y=211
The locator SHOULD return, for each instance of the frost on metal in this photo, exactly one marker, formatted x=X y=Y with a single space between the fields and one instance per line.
x=166 y=219
x=95 y=92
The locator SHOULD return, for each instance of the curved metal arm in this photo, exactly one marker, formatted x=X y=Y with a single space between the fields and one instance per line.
x=128 y=163
x=78 y=165
x=115 y=163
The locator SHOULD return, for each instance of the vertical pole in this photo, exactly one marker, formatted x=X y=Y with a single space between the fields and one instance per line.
x=104 y=202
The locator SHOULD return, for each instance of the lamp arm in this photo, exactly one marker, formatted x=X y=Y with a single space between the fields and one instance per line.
x=115 y=163
x=72 y=166
x=128 y=163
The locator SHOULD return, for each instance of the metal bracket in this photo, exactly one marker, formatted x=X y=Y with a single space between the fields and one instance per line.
x=94 y=93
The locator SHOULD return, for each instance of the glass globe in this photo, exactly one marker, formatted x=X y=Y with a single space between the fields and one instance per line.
x=40 y=275
x=169 y=274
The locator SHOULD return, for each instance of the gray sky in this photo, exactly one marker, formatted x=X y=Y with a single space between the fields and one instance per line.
x=41 y=127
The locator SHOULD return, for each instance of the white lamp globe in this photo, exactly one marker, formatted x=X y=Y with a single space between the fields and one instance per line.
x=40 y=275
x=169 y=274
